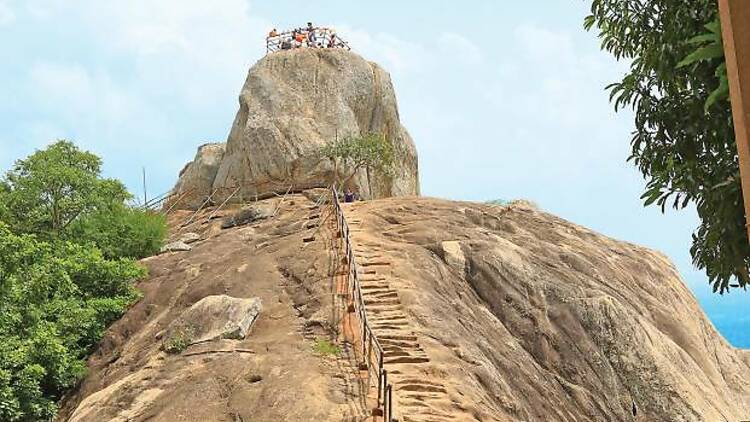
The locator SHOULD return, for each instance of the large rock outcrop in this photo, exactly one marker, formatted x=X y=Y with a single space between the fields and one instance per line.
x=527 y=317
x=488 y=313
x=184 y=352
x=292 y=103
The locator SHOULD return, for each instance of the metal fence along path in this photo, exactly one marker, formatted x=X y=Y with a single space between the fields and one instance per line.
x=372 y=351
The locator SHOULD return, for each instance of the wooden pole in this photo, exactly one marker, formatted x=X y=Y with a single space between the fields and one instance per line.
x=145 y=196
x=735 y=30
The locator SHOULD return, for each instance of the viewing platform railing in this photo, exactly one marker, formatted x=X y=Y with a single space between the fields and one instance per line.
x=321 y=38
x=372 y=351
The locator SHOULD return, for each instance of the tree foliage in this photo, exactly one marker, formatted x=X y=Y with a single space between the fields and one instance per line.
x=53 y=187
x=373 y=152
x=121 y=231
x=58 y=193
x=683 y=141
x=710 y=47
x=56 y=300
x=67 y=240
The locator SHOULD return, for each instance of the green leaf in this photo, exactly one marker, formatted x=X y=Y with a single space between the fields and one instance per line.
x=708 y=52
x=704 y=38
x=714 y=26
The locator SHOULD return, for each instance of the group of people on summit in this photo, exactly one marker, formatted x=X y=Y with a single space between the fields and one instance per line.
x=309 y=36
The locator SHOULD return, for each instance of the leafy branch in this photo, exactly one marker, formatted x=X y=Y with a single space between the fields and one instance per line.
x=352 y=154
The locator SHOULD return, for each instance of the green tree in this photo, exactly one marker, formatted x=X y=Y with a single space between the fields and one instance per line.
x=64 y=235
x=348 y=155
x=683 y=141
x=53 y=187
x=58 y=193
x=121 y=231
x=56 y=300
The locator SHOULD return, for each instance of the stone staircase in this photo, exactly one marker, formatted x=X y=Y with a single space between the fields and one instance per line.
x=349 y=380
x=418 y=399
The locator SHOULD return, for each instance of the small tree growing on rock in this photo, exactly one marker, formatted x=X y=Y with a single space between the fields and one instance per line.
x=372 y=152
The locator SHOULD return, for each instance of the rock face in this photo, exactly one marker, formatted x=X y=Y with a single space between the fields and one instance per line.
x=177 y=246
x=219 y=371
x=197 y=177
x=527 y=317
x=485 y=313
x=292 y=103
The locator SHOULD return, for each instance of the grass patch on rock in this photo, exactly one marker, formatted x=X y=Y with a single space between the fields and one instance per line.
x=179 y=340
x=326 y=347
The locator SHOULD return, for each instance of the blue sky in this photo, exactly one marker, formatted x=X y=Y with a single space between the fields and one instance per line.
x=504 y=99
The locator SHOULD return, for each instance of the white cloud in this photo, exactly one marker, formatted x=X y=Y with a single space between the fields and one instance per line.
x=7 y=15
x=176 y=46
x=401 y=56
x=74 y=92
x=393 y=53
x=459 y=48
x=144 y=82
x=545 y=45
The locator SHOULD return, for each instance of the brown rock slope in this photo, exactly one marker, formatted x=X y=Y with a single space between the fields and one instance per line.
x=485 y=313
x=271 y=375
x=508 y=314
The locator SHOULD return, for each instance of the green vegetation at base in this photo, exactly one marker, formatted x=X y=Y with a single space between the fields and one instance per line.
x=326 y=347
x=683 y=142
x=67 y=244
x=121 y=231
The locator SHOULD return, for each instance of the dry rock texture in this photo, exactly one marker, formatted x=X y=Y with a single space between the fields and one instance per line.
x=510 y=314
x=215 y=317
x=489 y=313
x=292 y=103
x=196 y=179
x=224 y=372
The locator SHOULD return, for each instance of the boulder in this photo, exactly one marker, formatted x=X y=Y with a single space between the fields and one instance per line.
x=292 y=103
x=190 y=238
x=212 y=318
x=178 y=246
x=244 y=216
x=197 y=177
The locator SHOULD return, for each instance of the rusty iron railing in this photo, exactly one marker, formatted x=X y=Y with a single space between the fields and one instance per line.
x=321 y=38
x=372 y=352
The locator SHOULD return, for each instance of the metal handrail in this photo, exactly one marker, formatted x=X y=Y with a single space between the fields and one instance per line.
x=322 y=35
x=370 y=343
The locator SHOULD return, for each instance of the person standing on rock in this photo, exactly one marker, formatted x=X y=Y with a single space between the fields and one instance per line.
x=332 y=41
x=348 y=195
x=311 y=39
x=299 y=38
x=310 y=30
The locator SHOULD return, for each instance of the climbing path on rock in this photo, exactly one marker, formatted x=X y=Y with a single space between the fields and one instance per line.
x=418 y=397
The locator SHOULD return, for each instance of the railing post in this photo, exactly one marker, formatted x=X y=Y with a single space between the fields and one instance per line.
x=369 y=350
x=364 y=328
x=385 y=386
x=390 y=404
x=380 y=386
